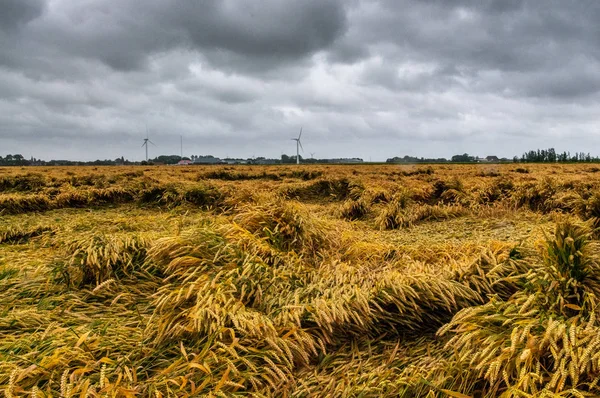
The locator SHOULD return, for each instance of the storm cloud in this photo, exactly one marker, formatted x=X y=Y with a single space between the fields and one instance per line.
x=367 y=78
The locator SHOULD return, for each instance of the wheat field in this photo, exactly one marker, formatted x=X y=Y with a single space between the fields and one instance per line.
x=300 y=281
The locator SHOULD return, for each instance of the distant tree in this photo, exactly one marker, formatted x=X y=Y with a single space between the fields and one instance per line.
x=14 y=160
x=464 y=158
x=167 y=159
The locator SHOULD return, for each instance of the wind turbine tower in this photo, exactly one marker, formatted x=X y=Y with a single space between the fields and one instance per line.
x=298 y=146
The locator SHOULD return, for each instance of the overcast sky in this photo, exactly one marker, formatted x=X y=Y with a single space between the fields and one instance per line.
x=365 y=78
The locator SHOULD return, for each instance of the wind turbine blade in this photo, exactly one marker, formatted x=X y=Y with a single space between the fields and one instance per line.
x=152 y=142
x=300 y=142
x=143 y=144
x=300 y=135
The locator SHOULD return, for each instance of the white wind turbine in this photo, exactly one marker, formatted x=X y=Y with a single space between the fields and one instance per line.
x=146 y=141
x=298 y=146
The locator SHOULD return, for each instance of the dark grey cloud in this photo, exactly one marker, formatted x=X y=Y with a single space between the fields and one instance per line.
x=124 y=34
x=370 y=78
x=15 y=13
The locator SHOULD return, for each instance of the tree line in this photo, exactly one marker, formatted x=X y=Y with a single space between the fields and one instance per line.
x=549 y=155
x=14 y=160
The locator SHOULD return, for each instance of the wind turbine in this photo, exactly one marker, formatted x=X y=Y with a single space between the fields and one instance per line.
x=146 y=141
x=298 y=146
x=312 y=155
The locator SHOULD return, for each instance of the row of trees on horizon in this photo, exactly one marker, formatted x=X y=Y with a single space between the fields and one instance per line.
x=549 y=155
x=538 y=156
